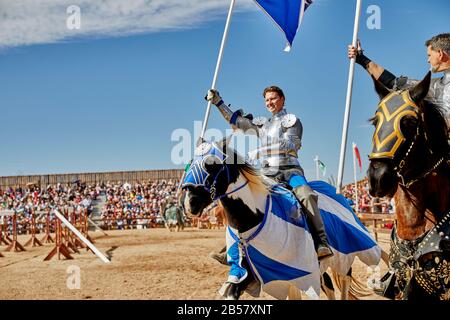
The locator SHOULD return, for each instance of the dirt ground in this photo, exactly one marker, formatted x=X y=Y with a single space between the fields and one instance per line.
x=145 y=264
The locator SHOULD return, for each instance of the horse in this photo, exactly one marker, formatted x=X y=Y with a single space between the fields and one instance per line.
x=255 y=206
x=410 y=162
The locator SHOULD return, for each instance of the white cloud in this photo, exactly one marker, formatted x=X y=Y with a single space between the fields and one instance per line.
x=27 y=22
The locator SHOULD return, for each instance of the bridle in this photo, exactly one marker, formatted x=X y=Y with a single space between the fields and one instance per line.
x=399 y=167
x=198 y=176
x=212 y=190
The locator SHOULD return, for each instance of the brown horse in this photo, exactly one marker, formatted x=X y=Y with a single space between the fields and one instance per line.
x=410 y=161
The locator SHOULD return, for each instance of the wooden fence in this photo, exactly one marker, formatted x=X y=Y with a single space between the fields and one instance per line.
x=90 y=178
x=375 y=219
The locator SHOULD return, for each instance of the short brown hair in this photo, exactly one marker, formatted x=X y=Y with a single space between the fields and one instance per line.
x=440 y=42
x=273 y=89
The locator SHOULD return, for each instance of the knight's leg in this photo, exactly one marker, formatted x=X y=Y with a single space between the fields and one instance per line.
x=309 y=201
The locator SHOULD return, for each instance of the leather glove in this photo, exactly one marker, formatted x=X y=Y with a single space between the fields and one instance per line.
x=361 y=59
x=213 y=96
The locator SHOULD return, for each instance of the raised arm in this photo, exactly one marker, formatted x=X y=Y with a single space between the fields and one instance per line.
x=375 y=70
x=235 y=118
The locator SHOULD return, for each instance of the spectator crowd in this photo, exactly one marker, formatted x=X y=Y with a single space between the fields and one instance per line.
x=367 y=203
x=24 y=200
x=138 y=205
x=127 y=206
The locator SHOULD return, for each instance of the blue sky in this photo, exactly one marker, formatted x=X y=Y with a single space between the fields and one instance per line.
x=109 y=98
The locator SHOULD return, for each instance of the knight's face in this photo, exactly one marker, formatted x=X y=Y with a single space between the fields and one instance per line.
x=274 y=103
x=435 y=60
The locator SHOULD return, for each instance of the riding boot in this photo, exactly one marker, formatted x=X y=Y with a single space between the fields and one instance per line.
x=220 y=256
x=308 y=199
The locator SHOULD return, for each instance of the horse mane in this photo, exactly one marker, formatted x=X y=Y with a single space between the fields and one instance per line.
x=435 y=128
x=257 y=181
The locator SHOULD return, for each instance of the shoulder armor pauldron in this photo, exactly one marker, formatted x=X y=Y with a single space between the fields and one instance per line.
x=288 y=120
x=259 y=121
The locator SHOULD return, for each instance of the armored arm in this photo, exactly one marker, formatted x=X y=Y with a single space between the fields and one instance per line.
x=237 y=119
x=292 y=138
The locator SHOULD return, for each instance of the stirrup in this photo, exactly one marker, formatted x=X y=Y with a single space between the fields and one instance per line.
x=323 y=252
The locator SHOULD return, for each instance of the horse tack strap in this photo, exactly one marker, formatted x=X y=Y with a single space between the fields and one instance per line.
x=412 y=259
x=431 y=243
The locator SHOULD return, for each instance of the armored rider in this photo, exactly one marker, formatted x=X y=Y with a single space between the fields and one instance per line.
x=438 y=51
x=281 y=139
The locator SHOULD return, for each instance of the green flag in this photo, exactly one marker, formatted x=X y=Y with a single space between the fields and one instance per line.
x=322 y=166
x=187 y=167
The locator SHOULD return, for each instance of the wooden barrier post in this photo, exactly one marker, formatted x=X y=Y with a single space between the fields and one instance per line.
x=81 y=237
x=33 y=241
x=1 y=237
x=86 y=227
x=47 y=238
x=6 y=239
x=374 y=218
x=3 y=231
x=15 y=245
x=78 y=225
x=59 y=248
x=67 y=235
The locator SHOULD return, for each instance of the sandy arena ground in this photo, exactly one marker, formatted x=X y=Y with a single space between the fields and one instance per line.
x=146 y=264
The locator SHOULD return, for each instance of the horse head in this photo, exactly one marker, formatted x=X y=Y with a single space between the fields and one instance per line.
x=399 y=124
x=208 y=176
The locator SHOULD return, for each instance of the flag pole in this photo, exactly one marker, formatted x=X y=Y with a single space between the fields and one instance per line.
x=316 y=159
x=219 y=62
x=356 y=181
x=348 y=99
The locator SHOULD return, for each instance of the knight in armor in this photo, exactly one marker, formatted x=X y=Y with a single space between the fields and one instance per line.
x=281 y=139
x=438 y=51
x=173 y=215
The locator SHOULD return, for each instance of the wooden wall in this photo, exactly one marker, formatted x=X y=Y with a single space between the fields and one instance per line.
x=90 y=178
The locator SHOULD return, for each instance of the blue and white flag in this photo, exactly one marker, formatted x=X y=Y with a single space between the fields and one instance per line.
x=287 y=14
x=280 y=250
x=346 y=234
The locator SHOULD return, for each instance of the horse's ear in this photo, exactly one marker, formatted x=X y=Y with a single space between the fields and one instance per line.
x=420 y=91
x=380 y=88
